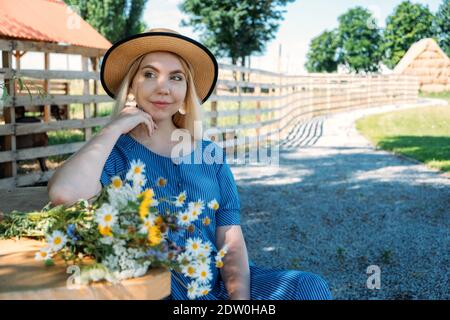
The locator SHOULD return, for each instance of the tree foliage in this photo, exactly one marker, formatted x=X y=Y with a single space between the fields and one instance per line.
x=321 y=56
x=408 y=24
x=234 y=28
x=359 y=40
x=443 y=26
x=114 y=19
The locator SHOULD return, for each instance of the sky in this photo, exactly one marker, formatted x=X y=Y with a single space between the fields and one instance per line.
x=304 y=20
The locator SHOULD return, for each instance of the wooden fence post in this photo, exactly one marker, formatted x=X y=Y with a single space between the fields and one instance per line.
x=94 y=62
x=46 y=87
x=9 y=169
x=86 y=92
x=213 y=119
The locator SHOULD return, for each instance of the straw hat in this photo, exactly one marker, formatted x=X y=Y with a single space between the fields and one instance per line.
x=120 y=56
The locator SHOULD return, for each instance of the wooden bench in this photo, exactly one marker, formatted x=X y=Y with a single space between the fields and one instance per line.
x=24 y=278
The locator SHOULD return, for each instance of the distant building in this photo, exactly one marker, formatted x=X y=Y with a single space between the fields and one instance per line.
x=429 y=62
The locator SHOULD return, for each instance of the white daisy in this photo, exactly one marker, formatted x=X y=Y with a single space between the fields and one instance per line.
x=147 y=222
x=116 y=183
x=193 y=246
x=194 y=213
x=203 y=290
x=203 y=274
x=97 y=274
x=137 y=167
x=192 y=290
x=154 y=202
x=202 y=259
x=179 y=202
x=199 y=205
x=206 y=248
x=106 y=215
x=184 y=258
x=119 y=198
x=223 y=251
x=139 y=181
x=213 y=204
x=184 y=218
x=189 y=270
x=196 y=208
x=43 y=254
x=56 y=240
x=106 y=240
x=219 y=262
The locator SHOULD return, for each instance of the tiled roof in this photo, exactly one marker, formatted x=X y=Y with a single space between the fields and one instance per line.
x=49 y=21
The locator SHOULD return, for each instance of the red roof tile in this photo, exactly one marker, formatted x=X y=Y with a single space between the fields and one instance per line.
x=47 y=20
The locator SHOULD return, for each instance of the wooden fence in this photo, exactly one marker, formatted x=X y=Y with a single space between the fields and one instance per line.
x=257 y=104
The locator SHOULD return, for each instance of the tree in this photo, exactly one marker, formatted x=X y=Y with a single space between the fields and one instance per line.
x=321 y=56
x=408 y=23
x=234 y=28
x=359 y=38
x=114 y=19
x=443 y=26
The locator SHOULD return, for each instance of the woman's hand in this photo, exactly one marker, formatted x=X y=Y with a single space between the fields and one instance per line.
x=130 y=117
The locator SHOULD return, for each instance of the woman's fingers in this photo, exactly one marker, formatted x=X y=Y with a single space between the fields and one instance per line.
x=150 y=124
x=149 y=127
x=149 y=117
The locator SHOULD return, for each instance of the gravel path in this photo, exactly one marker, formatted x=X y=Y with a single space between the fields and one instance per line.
x=335 y=205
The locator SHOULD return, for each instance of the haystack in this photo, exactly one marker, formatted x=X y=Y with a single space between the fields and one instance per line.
x=429 y=62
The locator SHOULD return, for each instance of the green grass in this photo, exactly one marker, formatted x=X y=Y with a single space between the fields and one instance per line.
x=421 y=133
x=440 y=95
x=104 y=109
x=63 y=137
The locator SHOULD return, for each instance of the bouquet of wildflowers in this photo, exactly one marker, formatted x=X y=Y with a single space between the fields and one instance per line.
x=122 y=234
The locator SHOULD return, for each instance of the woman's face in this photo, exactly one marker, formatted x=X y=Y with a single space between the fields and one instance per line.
x=160 y=85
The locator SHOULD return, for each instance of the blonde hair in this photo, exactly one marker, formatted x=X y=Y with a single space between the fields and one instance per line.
x=188 y=121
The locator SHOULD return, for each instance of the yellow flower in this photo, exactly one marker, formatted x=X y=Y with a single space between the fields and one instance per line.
x=105 y=231
x=148 y=193
x=144 y=208
x=148 y=201
x=154 y=235
x=159 y=220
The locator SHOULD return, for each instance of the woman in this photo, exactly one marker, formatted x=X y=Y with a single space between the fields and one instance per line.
x=159 y=79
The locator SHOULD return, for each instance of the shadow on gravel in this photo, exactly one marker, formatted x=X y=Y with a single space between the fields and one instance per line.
x=343 y=212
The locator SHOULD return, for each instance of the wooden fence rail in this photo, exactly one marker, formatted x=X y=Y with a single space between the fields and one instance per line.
x=246 y=102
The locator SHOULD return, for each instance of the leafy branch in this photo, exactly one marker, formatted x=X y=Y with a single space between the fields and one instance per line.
x=28 y=86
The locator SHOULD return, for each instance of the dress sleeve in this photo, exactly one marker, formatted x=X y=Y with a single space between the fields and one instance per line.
x=114 y=165
x=229 y=206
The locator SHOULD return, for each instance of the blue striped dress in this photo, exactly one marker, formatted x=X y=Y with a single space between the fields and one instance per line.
x=204 y=174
